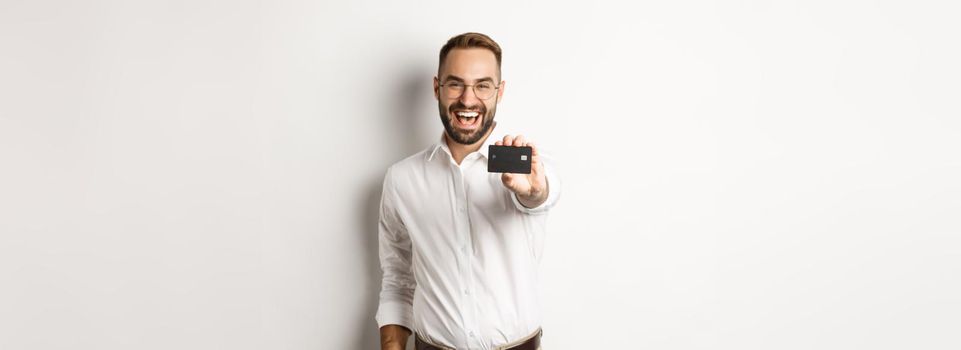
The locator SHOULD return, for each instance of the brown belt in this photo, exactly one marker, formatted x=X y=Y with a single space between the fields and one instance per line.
x=531 y=342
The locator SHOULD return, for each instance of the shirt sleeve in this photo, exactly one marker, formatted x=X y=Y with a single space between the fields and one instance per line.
x=553 y=186
x=397 y=285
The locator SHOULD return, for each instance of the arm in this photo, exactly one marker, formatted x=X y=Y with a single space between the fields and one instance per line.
x=395 y=311
x=538 y=191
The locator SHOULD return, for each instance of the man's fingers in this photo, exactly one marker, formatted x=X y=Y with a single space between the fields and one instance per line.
x=519 y=141
x=516 y=141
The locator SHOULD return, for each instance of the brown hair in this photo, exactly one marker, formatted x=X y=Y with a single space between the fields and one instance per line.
x=470 y=40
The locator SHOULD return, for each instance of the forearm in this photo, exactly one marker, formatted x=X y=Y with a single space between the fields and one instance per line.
x=393 y=337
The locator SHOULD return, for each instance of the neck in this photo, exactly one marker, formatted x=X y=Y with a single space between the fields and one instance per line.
x=459 y=151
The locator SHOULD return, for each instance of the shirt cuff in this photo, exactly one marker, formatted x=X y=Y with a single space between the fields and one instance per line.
x=395 y=312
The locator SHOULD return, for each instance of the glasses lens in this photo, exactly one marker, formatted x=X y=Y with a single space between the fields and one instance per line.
x=453 y=90
x=484 y=90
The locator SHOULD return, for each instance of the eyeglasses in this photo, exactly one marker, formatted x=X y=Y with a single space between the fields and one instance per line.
x=483 y=90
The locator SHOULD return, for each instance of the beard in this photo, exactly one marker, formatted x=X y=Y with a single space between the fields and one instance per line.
x=466 y=137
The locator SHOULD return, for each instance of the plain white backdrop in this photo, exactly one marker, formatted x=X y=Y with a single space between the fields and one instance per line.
x=738 y=174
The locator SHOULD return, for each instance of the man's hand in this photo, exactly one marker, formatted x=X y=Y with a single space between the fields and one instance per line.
x=393 y=337
x=531 y=189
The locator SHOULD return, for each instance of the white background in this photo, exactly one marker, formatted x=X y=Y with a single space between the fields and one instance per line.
x=738 y=174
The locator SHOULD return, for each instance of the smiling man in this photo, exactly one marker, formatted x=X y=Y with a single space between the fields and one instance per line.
x=459 y=246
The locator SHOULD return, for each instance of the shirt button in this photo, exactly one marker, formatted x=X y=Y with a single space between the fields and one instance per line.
x=471 y=333
x=466 y=292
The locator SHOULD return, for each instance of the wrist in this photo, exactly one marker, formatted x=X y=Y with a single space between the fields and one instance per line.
x=532 y=201
x=392 y=346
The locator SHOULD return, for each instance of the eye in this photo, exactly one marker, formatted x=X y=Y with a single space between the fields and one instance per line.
x=454 y=85
x=485 y=86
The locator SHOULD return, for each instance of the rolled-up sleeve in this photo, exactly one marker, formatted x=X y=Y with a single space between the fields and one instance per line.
x=397 y=284
x=553 y=186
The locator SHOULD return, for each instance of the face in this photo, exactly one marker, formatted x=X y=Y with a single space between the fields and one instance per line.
x=468 y=118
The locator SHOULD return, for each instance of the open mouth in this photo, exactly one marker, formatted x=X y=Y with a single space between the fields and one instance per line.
x=467 y=119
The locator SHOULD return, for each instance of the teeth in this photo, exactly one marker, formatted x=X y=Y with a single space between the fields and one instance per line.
x=467 y=114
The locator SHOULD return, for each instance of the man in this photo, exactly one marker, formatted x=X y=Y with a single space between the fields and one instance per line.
x=459 y=246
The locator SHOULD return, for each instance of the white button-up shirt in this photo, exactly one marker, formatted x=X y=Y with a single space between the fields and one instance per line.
x=459 y=252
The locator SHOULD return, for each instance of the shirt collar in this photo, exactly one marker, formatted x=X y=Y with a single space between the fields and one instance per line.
x=442 y=144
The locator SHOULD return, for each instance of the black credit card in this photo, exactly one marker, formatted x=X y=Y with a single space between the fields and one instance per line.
x=509 y=159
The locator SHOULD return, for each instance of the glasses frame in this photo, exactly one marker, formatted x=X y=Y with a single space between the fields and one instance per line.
x=473 y=87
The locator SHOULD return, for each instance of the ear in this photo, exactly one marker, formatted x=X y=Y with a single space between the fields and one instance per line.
x=500 y=92
x=436 y=89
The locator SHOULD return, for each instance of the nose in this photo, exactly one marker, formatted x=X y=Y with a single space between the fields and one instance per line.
x=468 y=96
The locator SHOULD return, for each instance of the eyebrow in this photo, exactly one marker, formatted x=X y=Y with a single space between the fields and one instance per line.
x=454 y=77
